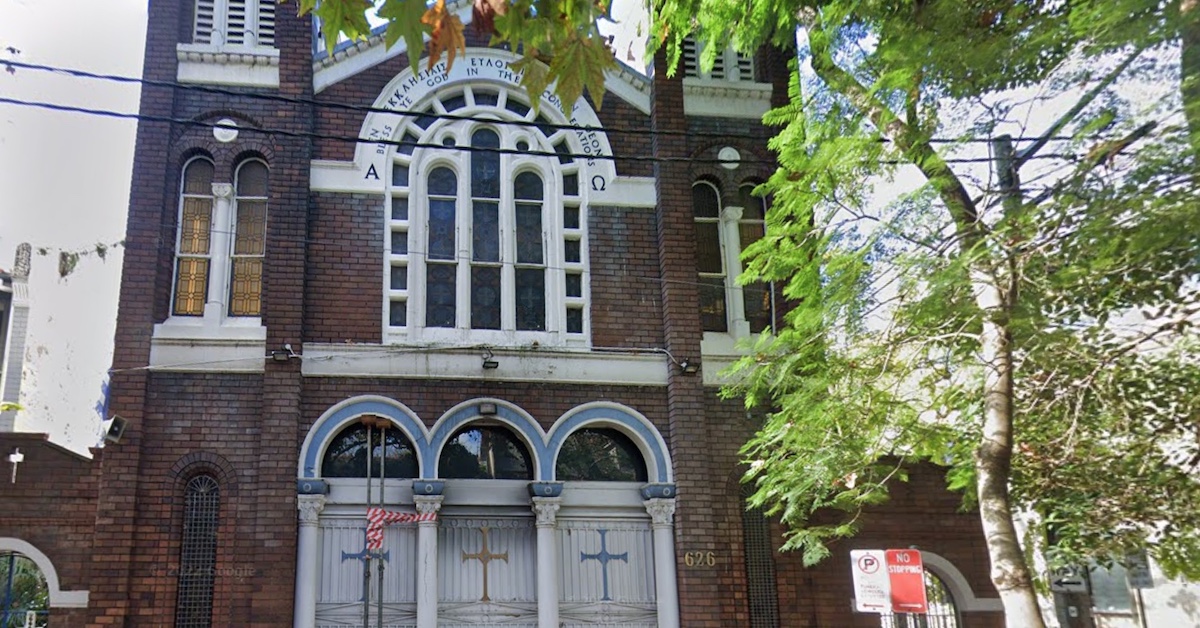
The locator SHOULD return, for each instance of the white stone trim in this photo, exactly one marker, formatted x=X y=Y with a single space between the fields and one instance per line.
x=960 y=589
x=516 y=365
x=239 y=66
x=640 y=192
x=726 y=99
x=58 y=597
x=185 y=353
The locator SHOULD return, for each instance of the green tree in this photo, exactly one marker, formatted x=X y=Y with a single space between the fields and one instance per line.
x=1036 y=337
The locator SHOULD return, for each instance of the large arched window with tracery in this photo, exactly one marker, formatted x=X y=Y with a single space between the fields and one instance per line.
x=486 y=237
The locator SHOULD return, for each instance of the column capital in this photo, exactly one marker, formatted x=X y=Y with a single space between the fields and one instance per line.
x=546 y=509
x=310 y=507
x=222 y=190
x=428 y=505
x=731 y=214
x=662 y=511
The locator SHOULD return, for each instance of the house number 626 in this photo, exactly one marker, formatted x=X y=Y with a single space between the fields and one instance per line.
x=699 y=559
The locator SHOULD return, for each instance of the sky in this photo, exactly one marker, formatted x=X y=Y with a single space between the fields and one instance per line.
x=64 y=185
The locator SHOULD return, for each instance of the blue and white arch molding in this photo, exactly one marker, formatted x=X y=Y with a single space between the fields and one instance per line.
x=539 y=551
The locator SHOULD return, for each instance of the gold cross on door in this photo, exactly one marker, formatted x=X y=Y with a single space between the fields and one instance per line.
x=484 y=556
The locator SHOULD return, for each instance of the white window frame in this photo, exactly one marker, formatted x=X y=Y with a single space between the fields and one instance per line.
x=216 y=320
x=210 y=58
x=420 y=163
x=258 y=29
x=729 y=234
x=730 y=65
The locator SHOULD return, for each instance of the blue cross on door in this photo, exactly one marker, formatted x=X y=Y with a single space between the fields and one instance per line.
x=603 y=556
x=362 y=555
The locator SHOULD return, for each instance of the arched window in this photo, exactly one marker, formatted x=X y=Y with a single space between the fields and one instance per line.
x=722 y=233
x=600 y=455
x=346 y=456
x=198 y=553
x=220 y=242
x=193 y=245
x=484 y=257
x=485 y=452
x=23 y=591
x=710 y=256
x=249 y=240
x=942 y=611
x=757 y=297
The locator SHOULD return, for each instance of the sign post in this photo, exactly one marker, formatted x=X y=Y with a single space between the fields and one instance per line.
x=906 y=574
x=872 y=588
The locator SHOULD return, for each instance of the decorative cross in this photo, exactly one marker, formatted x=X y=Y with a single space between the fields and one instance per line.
x=603 y=557
x=364 y=555
x=16 y=458
x=484 y=556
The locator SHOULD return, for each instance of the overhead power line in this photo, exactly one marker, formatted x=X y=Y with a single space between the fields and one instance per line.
x=425 y=145
x=324 y=104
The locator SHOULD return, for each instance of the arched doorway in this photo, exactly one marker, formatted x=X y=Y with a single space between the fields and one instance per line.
x=24 y=594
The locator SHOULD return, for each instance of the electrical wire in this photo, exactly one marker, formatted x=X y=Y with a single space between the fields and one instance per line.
x=141 y=117
x=323 y=104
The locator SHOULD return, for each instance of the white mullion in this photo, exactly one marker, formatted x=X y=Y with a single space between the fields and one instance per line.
x=462 y=249
x=508 y=243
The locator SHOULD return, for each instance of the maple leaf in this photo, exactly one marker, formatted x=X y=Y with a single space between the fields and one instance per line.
x=485 y=12
x=535 y=77
x=579 y=64
x=340 y=16
x=447 y=34
x=405 y=21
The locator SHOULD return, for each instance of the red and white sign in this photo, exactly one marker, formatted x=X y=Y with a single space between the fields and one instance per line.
x=906 y=577
x=872 y=588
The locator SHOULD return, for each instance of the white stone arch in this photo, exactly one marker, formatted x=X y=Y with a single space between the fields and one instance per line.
x=341 y=414
x=622 y=418
x=523 y=425
x=478 y=65
x=956 y=583
x=58 y=597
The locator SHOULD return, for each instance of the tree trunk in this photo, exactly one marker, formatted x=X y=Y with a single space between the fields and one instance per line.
x=993 y=459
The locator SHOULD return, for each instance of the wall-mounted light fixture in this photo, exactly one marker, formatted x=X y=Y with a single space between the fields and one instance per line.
x=489 y=360
x=689 y=367
x=284 y=354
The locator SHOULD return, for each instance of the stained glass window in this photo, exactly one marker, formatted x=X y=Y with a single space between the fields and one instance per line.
x=600 y=455
x=249 y=240
x=488 y=248
x=485 y=452
x=194 y=244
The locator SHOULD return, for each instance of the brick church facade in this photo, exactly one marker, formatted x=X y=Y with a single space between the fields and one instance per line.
x=516 y=317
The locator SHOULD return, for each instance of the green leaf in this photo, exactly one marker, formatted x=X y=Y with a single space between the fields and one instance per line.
x=404 y=22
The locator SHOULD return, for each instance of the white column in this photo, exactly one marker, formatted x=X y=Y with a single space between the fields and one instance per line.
x=216 y=303
x=308 y=549
x=546 y=509
x=427 y=589
x=732 y=237
x=662 y=513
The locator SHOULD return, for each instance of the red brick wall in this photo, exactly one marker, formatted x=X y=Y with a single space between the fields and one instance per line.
x=921 y=513
x=51 y=506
